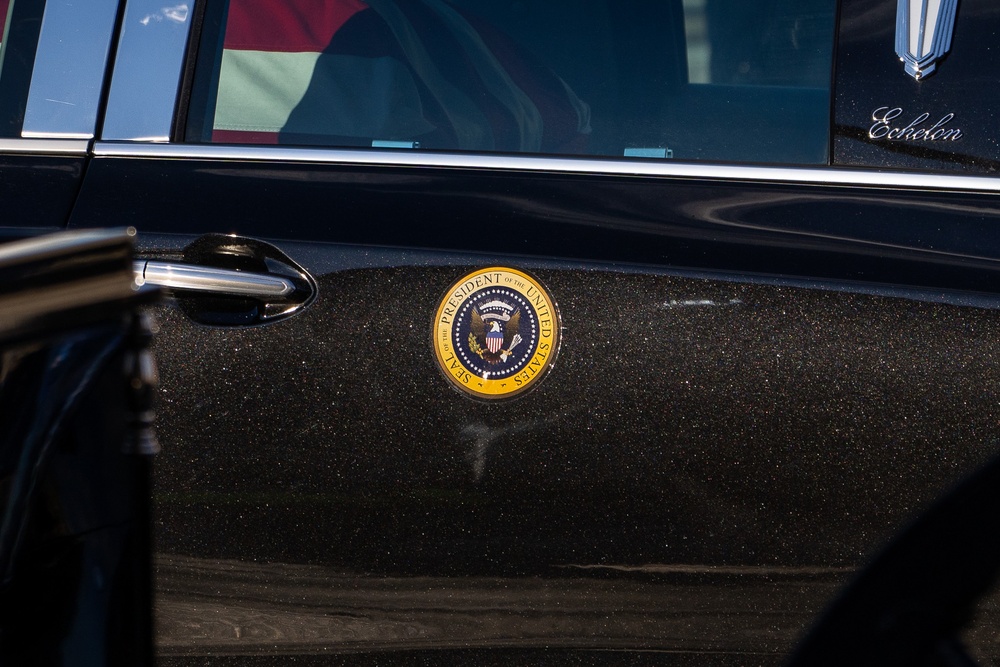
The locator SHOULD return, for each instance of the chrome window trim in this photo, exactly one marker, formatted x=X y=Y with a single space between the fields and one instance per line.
x=148 y=67
x=70 y=64
x=565 y=165
x=44 y=146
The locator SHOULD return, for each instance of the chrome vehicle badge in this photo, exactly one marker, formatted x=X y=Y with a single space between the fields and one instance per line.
x=496 y=333
x=923 y=34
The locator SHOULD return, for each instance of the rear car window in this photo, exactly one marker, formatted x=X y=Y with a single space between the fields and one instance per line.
x=717 y=80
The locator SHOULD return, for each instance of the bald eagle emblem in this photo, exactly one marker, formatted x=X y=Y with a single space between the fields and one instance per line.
x=494 y=335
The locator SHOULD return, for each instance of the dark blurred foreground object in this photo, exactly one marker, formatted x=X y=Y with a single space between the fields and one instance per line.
x=908 y=607
x=76 y=384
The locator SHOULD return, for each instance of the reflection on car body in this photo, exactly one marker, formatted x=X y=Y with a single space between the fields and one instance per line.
x=76 y=386
x=765 y=269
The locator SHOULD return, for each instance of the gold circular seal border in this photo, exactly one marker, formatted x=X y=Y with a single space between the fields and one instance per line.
x=549 y=332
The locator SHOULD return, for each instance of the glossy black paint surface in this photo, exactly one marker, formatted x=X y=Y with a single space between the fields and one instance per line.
x=916 y=597
x=277 y=613
x=63 y=282
x=690 y=423
x=672 y=399
x=711 y=456
x=39 y=191
x=869 y=76
x=490 y=657
x=934 y=239
x=74 y=541
x=741 y=420
x=74 y=493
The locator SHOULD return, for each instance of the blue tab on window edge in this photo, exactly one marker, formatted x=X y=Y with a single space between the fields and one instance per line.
x=649 y=152
x=381 y=143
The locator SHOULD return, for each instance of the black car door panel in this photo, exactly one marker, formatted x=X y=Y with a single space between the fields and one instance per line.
x=776 y=344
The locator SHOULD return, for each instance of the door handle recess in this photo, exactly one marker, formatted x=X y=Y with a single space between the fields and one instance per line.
x=223 y=280
x=209 y=279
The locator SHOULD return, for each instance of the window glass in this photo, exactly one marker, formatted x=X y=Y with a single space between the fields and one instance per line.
x=699 y=79
x=780 y=43
x=4 y=13
x=22 y=20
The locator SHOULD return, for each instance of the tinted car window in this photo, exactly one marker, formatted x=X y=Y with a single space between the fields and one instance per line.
x=4 y=10
x=702 y=79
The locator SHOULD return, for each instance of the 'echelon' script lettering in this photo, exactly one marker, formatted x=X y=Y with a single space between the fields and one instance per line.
x=916 y=130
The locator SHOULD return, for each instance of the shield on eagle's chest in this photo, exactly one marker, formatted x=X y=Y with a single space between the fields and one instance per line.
x=494 y=338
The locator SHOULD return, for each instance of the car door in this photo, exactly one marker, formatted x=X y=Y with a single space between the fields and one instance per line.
x=515 y=332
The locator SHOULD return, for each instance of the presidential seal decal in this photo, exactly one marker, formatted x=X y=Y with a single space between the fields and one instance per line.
x=496 y=333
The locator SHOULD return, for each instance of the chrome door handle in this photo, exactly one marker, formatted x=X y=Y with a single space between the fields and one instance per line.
x=208 y=279
x=230 y=281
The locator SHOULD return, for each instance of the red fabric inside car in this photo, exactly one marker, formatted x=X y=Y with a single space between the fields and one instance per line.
x=349 y=73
